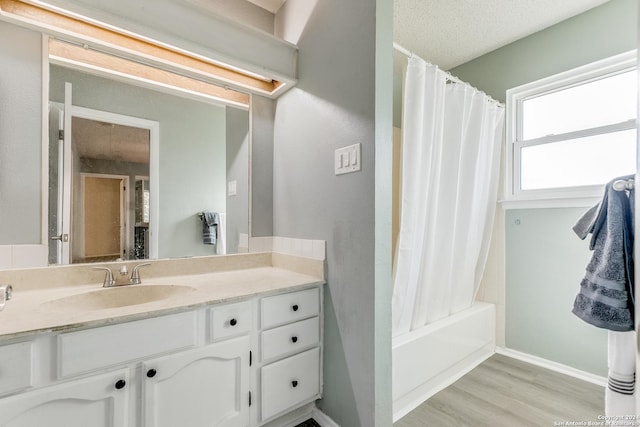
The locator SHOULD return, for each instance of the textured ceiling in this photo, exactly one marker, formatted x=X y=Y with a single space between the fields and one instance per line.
x=451 y=32
x=107 y=141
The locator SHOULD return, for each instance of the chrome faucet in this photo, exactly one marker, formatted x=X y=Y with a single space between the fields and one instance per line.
x=135 y=274
x=109 y=280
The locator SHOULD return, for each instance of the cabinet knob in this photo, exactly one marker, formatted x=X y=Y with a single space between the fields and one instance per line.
x=151 y=373
x=294 y=339
x=294 y=307
x=233 y=322
x=120 y=384
x=294 y=383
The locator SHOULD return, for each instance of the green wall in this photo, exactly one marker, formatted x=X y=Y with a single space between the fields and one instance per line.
x=596 y=34
x=545 y=262
x=544 y=259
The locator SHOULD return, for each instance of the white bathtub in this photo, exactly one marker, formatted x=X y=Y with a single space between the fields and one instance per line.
x=427 y=360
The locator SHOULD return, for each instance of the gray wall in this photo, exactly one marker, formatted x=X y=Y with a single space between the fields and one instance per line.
x=241 y=11
x=20 y=135
x=332 y=106
x=237 y=124
x=262 y=119
x=545 y=260
x=192 y=152
x=383 y=207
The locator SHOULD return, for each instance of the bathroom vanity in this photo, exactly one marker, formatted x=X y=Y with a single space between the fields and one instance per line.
x=233 y=348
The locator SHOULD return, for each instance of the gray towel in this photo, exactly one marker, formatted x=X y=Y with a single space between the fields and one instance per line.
x=605 y=299
x=210 y=222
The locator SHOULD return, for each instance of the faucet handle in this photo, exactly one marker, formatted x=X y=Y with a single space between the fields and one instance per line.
x=123 y=270
x=6 y=291
x=108 y=277
x=135 y=274
x=5 y=295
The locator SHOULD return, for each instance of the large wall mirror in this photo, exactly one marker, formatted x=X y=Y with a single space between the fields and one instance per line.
x=115 y=146
x=137 y=173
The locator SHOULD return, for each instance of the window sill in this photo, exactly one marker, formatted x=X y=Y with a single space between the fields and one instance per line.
x=548 y=203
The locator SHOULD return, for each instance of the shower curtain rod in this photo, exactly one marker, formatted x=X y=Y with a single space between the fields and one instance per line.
x=406 y=52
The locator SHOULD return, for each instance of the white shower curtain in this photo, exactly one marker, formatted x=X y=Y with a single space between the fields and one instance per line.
x=450 y=170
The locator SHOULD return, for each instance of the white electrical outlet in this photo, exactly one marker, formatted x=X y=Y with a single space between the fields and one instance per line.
x=347 y=159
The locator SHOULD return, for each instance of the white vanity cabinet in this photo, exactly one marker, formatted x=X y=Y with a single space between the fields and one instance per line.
x=290 y=337
x=237 y=364
x=97 y=401
x=207 y=386
x=16 y=362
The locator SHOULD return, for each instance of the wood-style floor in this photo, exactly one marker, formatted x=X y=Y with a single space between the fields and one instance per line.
x=505 y=392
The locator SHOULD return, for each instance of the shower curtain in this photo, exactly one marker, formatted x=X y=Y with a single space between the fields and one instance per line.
x=452 y=136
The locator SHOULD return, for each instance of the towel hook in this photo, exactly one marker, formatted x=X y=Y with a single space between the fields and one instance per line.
x=624 y=184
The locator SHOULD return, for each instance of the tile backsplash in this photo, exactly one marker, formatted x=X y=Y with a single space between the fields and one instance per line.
x=314 y=249
x=23 y=256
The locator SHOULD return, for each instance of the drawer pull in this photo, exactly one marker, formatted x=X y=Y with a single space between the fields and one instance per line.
x=120 y=384
x=294 y=307
x=294 y=383
x=233 y=322
x=151 y=373
x=294 y=339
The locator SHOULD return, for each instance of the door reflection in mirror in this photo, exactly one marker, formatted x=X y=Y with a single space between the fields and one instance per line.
x=108 y=220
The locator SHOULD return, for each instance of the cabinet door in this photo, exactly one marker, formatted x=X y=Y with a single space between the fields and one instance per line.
x=97 y=401
x=204 y=387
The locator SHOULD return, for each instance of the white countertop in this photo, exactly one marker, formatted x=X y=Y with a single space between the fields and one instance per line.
x=32 y=311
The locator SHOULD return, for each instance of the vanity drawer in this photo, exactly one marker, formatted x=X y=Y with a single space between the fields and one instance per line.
x=230 y=320
x=84 y=351
x=289 y=382
x=287 y=308
x=15 y=366
x=290 y=338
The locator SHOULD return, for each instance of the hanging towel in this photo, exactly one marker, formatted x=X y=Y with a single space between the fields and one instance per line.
x=210 y=222
x=221 y=247
x=619 y=395
x=605 y=299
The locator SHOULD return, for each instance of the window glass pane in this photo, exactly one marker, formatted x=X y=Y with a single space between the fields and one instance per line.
x=584 y=161
x=601 y=102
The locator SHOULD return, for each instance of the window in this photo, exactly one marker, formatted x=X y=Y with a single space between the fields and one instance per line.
x=569 y=134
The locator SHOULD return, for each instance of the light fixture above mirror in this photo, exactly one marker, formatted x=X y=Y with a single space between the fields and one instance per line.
x=96 y=62
x=99 y=38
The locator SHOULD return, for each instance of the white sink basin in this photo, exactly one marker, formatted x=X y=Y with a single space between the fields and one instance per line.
x=119 y=296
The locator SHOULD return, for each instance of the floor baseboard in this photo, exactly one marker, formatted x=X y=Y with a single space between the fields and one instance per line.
x=323 y=419
x=554 y=366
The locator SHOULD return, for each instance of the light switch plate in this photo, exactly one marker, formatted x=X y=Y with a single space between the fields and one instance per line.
x=347 y=159
x=231 y=188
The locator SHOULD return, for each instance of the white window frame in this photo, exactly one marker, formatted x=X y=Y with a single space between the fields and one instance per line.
x=570 y=196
